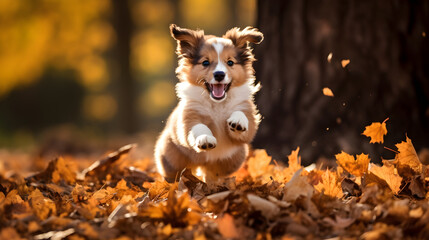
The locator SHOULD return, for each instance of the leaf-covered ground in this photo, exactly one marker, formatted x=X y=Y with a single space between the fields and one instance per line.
x=119 y=197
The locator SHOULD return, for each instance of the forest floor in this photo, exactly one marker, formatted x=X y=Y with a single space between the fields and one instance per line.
x=121 y=196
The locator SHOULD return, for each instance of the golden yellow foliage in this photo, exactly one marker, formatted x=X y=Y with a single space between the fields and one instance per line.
x=376 y=131
x=407 y=157
x=259 y=165
x=330 y=185
x=357 y=167
x=388 y=174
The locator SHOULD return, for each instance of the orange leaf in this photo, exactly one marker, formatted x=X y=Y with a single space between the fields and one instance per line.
x=376 y=132
x=407 y=156
x=356 y=167
x=330 y=185
x=294 y=165
x=388 y=174
x=345 y=62
x=259 y=165
x=327 y=92
x=42 y=207
x=226 y=227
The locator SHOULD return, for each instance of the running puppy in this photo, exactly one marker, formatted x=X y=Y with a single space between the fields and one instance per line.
x=216 y=118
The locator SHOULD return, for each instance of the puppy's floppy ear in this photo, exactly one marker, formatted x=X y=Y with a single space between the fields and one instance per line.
x=241 y=38
x=188 y=40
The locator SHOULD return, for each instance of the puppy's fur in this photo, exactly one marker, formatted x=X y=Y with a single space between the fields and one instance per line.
x=215 y=118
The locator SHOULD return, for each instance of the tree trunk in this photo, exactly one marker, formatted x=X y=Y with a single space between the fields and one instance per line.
x=125 y=84
x=388 y=75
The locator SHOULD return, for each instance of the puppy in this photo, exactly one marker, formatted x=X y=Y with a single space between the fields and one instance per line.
x=215 y=118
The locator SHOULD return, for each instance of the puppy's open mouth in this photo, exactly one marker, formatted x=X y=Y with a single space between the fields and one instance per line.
x=217 y=91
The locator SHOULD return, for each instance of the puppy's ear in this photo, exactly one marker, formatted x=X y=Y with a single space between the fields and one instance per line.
x=188 y=41
x=241 y=38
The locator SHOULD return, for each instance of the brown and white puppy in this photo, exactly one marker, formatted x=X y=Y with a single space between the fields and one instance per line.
x=215 y=118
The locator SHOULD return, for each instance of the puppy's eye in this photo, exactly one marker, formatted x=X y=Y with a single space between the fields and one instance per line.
x=206 y=63
x=230 y=63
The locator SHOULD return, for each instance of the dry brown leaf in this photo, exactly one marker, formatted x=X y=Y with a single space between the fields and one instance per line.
x=330 y=185
x=296 y=187
x=101 y=196
x=42 y=207
x=357 y=167
x=159 y=190
x=376 y=132
x=407 y=157
x=327 y=92
x=79 y=193
x=388 y=174
x=57 y=170
x=267 y=208
x=345 y=62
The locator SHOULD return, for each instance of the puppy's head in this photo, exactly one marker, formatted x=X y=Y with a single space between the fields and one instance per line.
x=215 y=63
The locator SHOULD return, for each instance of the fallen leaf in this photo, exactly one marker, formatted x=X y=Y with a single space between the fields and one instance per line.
x=57 y=170
x=407 y=157
x=296 y=187
x=417 y=187
x=330 y=185
x=226 y=227
x=42 y=207
x=267 y=208
x=294 y=164
x=357 y=167
x=376 y=132
x=387 y=173
x=327 y=92
x=100 y=167
x=259 y=165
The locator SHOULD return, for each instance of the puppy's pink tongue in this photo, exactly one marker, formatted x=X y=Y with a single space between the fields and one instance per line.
x=218 y=90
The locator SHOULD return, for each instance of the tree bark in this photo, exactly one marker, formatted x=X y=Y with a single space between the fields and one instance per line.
x=388 y=75
x=126 y=85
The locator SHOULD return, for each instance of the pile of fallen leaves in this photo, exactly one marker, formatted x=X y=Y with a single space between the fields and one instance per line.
x=119 y=198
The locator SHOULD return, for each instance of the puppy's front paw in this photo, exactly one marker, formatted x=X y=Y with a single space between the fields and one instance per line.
x=238 y=122
x=205 y=142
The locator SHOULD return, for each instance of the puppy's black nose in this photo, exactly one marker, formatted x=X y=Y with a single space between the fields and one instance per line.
x=219 y=76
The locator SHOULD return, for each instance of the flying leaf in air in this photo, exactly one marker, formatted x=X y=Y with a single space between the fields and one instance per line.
x=345 y=62
x=357 y=167
x=327 y=92
x=376 y=131
x=329 y=58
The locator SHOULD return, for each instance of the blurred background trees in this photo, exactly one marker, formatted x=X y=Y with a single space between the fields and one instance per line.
x=105 y=69
x=388 y=75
